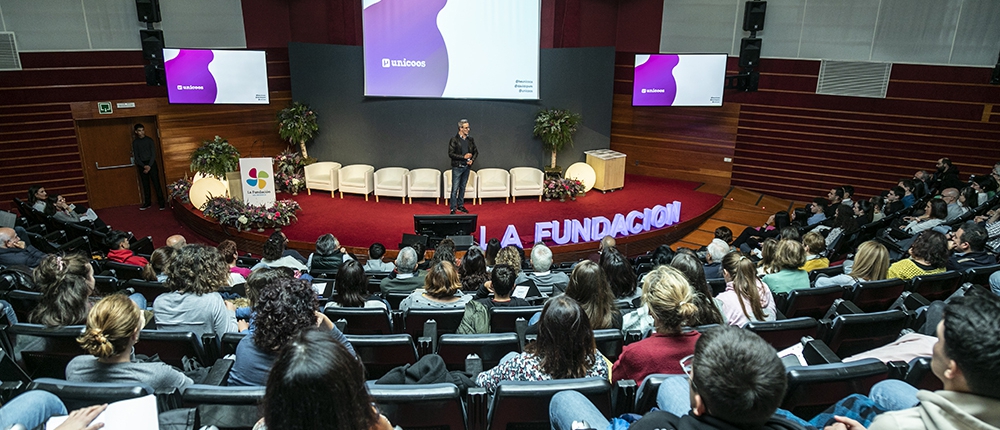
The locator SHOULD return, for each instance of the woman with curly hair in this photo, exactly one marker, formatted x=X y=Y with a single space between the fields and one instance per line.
x=65 y=283
x=672 y=303
x=473 y=270
x=442 y=290
x=285 y=308
x=194 y=276
x=928 y=255
x=589 y=287
x=113 y=327
x=308 y=373
x=565 y=349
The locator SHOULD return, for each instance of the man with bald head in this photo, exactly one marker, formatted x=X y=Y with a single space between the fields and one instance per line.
x=176 y=241
x=15 y=252
x=955 y=210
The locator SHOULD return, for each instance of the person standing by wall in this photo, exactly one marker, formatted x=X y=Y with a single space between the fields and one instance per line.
x=144 y=157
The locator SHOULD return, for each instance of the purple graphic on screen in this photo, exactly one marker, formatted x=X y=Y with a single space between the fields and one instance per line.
x=654 y=83
x=188 y=77
x=405 y=54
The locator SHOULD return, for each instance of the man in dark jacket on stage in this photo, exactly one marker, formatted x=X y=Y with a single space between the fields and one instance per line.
x=462 y=151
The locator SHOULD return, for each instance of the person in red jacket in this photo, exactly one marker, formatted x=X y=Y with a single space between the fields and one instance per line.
x=119 y=251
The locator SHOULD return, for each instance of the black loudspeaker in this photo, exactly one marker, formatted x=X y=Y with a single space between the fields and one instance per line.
x=155 y=76
x=462 y=243
x=995 y=77
x=753 y=15
x=152 y=44
x=410 y=239
x=148 y=10
x=750 y=52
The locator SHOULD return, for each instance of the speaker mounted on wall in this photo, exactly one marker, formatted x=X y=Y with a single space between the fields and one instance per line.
x=155 y=75
x=750 y=52
x=148 y=10
x=753 y=15
x=152 y=44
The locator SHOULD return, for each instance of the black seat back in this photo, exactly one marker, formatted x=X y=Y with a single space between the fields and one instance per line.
x=784 y=333
x=718 y=286
x=980 y=275
x=23 y=302
x=382 y=353
x=124 y=271
x=172 y=347
x=854 y=333
x=230 y=341
x=225 y=407
x=361 y=320
x=490 y=347
x=610 y=342
x=827 y=271
x=525 y=405
x=502 y=319
x=812 y=302
x=77 y=395
x=919 y=375
x=57 y=347
x=408 y=406
x=873 y=296
x=645 y=399
x=448 y=320
x=937 y=286
x=812 y=389
x=149 y=289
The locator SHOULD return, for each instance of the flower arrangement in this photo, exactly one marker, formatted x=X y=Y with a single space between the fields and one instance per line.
x=290 y=172
x=560 y=188
x=237 y=214
x=298 y=124
x=180 y=190
x=215 y=158
x=556 y=127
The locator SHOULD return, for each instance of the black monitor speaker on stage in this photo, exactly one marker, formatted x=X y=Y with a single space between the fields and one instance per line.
x=463 y=242
x=410 y=239
x=441 y=226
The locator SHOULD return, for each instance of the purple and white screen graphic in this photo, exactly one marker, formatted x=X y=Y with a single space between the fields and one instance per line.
x=202 y=76
x=679 y=80
x=451 y=48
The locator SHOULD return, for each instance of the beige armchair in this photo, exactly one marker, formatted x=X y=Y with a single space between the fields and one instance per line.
x=424 y=183
x=391 y=182
x=526 y=181
x=322 y=175
x=471 y=187
x=493 y=183
x=356 y=179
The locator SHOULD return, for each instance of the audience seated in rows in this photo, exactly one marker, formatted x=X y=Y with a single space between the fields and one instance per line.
x=588 y=285
x=734 y=380
x=671 y=301
x=14 y=251
x=621 y=275
x=113 y=327
x=477 y=311
x=928 y=255
x=375 y=263
x=237 y=274
x=118 y=249
x=472 y=272
x=352 y=288
x=968 y=248
x=329 y=254
x=814 y=246
x=285 y=308
x=194 y=277
x=317 y=383
x=789 y=256
x=746 y=298
x=276 y=255
x=871 y=263
x=548 y=282
x=565 y=349
x=407 y=277
x=934 y=215
x=442 y=290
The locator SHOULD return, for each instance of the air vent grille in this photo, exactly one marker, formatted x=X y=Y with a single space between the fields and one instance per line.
x=853 y=78
x=9 y=59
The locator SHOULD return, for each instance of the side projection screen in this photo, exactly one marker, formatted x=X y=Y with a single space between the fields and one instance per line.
x=679 y=79
x=215 y=76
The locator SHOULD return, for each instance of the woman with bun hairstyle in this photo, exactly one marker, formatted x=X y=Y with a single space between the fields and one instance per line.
x=65 y=283
x=671 y=302
x=113 y=327
x=746 y=298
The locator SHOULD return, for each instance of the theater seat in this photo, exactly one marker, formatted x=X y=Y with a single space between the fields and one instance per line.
x=811 y=389
x=526 y=181
x=322 y=175
x=471 y=186
x=356 y=179
x=391 y=182
x=382 y=353
x=408 y=406
x=77 y=395
x=493 y=183
x=424 y=183
x=520 y=404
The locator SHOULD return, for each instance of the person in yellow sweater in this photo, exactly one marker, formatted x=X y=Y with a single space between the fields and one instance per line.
x=928 y=255
x=815 y=246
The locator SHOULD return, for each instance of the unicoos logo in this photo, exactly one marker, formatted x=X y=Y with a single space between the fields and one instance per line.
x=257 y=179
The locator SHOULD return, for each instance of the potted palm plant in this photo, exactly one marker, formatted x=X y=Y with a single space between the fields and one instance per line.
x=556 y=127
x=215 y=157
x=297 y=124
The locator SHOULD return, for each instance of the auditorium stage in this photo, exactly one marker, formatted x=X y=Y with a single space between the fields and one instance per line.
x=357 y=223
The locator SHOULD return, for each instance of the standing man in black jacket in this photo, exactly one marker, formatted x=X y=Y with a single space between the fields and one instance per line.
x=462 y=151
x=144 y=157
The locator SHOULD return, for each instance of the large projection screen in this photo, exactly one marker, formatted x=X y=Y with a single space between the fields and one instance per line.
x=679 y=79
x=475 y=49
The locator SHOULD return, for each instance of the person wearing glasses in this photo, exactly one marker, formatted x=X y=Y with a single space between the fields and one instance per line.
x=462 y=151
x=734 y=379
x=15 y=252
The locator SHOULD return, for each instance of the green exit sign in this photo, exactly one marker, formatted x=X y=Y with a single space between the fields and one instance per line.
x=104 y=108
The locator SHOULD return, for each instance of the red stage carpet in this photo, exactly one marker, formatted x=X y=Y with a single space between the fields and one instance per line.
x=358 y=223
